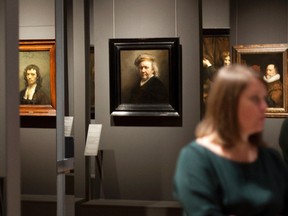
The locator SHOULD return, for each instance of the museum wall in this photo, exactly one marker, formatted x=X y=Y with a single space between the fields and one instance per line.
x=261 y=22
x=139 y=162
x=211 y=10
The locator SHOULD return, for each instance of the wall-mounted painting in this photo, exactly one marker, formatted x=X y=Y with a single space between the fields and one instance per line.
x=145 y=81
x=216 y=53
x=37 y=79
x=270 y=60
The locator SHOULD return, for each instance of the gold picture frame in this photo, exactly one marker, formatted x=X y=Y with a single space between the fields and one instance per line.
x=260 y=57
x=42 y=54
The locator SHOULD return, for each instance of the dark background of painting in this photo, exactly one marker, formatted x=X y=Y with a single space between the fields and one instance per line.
x=215 y=42
x=130 y=75
x=42 y=60
x=262 y=60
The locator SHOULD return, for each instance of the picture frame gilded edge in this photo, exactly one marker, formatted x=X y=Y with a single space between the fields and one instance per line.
x=42 y=116
x=238 y=51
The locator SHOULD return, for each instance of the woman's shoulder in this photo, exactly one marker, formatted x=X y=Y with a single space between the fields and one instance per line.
x=193 y=148
x=194 y=152
x=195 y=157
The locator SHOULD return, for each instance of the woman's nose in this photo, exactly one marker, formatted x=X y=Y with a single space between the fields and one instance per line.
x=264 y=105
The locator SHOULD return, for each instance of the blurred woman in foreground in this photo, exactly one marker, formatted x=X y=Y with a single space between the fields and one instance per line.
x=227 y=169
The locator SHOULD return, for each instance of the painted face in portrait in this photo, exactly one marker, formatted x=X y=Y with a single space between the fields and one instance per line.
x=145 y=70
x=270 y=70
x=31 y=77
x=227 y=60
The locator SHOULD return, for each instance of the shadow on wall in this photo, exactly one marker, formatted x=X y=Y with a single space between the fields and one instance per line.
x=105 y=174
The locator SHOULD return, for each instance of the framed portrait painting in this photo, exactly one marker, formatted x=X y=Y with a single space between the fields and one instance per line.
x=37 y=80
x=270 y=60
x=216 y=53
x=145 y=81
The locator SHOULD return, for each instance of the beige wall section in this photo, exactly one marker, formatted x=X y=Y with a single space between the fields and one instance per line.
x=216 y=14
x=38 y=161
x=272 y=131
x=152 y=19
x=36 y=19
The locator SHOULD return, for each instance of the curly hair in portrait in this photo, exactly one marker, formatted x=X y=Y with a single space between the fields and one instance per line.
x=39 y=77
x=148 y=57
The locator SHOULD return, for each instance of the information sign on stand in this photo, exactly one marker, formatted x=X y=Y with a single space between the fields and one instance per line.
x=93 y=139
x=68 y=123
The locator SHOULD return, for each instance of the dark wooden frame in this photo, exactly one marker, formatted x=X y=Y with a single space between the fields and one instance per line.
x=92 y=82
x=43 y=114
x=125 y=113
x=259 y=56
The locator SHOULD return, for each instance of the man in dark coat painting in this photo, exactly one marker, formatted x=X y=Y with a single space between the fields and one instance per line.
x=149 y=89
x=33 y=94
x=274 y=86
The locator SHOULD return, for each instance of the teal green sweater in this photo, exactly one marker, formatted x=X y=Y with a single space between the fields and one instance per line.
x=208 y=184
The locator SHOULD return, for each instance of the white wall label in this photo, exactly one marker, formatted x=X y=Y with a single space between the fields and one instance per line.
x=93 y=139
x=68 y=123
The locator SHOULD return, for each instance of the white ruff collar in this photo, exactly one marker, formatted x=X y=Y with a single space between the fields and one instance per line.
x=272 y=79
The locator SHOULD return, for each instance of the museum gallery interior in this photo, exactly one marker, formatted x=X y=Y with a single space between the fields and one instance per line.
x=85 y=148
